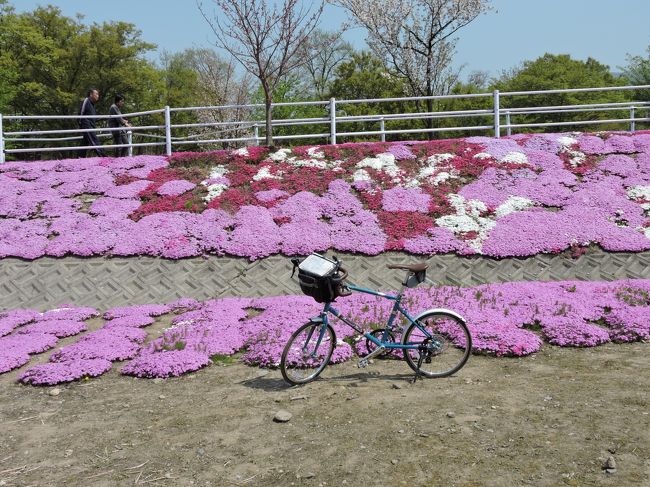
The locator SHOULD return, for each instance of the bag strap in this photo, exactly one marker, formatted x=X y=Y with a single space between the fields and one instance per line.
x=296 y=262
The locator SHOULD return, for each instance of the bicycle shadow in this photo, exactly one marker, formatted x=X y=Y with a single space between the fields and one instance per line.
x=270 y=384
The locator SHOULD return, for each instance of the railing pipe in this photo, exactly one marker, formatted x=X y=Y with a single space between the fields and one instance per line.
x=129 y=139
x=77 y=131
x=632 y=124
x=578 y=122
x=168 y=132
x=497 y=115
x=333 y=121
x=414 y=131
x=77 y=117
x=611 y=106
x=75 y=147
x=508 y=128
x=382 y=127
x=414 y=98
x=256 y=134
x=576 y=90
x=2 y=143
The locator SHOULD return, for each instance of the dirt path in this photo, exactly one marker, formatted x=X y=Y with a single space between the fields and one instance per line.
x=547 y=420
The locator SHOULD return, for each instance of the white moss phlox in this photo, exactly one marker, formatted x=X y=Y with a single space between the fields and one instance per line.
x=639 y=192
x=265 y=173
x=214 y=191
x=567 y=141
x=280 y=155
x=515 y=157
x=512 y=204
x=361 y=175
x=315 y=153
x=383 y=162
x=468 y=219
x=482 y=155
x=218 y=172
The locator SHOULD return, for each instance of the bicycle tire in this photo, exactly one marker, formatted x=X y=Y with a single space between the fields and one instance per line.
x=297 y=357
x=445 y=355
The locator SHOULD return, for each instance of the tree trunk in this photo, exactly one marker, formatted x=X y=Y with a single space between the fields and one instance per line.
x=268 y=99
x=428 y=122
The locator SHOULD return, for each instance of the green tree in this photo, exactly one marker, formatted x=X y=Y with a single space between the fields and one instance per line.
x=552 y=71
x=48 y=62
x=637 y=72
x=364 y=76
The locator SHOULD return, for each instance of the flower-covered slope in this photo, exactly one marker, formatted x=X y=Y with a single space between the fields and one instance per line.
x=511 y=319
x=514 y=196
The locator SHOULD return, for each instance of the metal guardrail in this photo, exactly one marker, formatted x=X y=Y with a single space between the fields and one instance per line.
x=248 y=131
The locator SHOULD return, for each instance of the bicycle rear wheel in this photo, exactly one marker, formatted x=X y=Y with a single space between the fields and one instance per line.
x=306 y=353
x=443 y=341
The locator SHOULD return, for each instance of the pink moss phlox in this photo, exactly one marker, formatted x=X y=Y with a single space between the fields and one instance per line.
x=405 y=199
x=171 y=363
x=59 y=372
x=175 y=187
x=12 y=358
x=132 y=321
x=69 y=312
x=271 y=195
x=58 y=328
x=137 y=310
x=12 y=319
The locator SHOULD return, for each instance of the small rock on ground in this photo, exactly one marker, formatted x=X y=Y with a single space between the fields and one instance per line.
x=610 y=465
x=282 y=416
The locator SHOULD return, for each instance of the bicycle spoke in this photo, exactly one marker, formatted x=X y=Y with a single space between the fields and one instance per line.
x=443 y=343
x=307 y=353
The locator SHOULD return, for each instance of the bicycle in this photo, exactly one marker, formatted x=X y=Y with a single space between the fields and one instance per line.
x=435 y=343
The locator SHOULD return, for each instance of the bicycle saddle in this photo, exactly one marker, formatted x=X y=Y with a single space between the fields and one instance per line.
x=409 y=267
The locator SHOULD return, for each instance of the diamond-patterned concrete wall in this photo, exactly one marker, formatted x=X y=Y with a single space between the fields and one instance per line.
x=104 y=283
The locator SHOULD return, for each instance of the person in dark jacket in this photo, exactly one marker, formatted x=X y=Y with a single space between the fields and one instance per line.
x=88 y=108
x=119 y=136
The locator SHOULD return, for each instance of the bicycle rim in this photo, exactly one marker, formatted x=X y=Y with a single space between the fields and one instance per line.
x=304 y=358
x=445 y=344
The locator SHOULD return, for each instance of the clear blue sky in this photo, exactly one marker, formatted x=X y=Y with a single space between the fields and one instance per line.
x=515 y=31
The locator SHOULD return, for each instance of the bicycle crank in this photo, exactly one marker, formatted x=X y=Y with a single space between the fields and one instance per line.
x=363 y=362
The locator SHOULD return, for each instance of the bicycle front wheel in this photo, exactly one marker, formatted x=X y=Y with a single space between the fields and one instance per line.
x=307 y=353
x=443 y=344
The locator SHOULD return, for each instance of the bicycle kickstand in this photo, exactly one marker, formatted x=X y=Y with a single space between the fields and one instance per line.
x=418 y=374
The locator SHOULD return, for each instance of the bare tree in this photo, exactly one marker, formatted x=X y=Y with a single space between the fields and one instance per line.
x=221 y=85
x=414 y=37
x=266 y=40
x=326 y=50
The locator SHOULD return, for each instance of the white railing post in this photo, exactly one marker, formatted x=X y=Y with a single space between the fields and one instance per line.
x=497 y=114
x=129 y=139
x=332 y=121
x=256 y=134
x=632 y=123
x=508 y=130
x=382 y=127
x=2 y=143
x=168 y=132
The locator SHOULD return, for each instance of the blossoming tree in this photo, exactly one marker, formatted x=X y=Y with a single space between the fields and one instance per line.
x=266 y=40
x=415 y=38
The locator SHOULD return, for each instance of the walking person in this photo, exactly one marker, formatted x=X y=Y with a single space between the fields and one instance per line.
x=88 y=108
x=119 y=136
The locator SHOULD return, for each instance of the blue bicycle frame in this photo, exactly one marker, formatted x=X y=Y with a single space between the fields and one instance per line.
x=397 y=308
